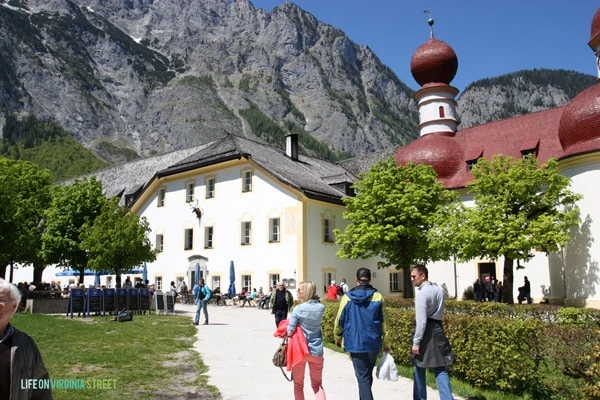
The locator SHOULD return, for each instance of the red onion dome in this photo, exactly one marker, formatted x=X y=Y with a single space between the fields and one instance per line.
x=580 y=120
x=439 y=150
x=595 y=27
x=434 y=61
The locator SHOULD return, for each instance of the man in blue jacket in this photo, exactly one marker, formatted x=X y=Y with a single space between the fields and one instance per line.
x=360 y=324
x=202 y=293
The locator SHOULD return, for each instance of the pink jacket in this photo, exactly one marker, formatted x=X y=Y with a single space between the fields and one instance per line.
x=297 y=347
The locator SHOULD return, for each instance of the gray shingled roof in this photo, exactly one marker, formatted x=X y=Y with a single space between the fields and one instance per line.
x=316 y=178
x=128 y=178
x=360 y=165
x=309 y=175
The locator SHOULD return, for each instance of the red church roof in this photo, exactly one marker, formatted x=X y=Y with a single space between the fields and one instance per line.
x=537 y=132
x=558 y=133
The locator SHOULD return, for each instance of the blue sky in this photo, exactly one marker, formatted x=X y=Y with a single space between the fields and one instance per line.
x=490 y=37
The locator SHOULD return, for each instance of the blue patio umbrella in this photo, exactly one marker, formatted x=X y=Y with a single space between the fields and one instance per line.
x=197 y=276
x=134 y=271
x=231 y=291
x=144 y=273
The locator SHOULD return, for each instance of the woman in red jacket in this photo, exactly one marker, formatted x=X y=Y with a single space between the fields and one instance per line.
x=332 y=291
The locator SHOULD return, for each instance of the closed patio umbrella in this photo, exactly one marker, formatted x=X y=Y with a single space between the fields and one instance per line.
x=144 y=273
x=231 y=291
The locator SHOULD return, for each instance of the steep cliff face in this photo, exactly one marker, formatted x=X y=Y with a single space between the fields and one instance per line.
x=132 y=78
x=154 y=76
x=517 y=93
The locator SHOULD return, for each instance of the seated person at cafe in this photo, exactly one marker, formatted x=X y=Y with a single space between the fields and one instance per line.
x=242 y=295
x=261 y=298
x=248 y=299
x=217 y=296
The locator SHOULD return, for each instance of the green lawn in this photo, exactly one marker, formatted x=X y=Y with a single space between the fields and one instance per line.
x=148 y=358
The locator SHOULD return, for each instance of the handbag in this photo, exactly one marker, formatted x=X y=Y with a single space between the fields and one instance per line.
x=280 y=358
x=386 y=369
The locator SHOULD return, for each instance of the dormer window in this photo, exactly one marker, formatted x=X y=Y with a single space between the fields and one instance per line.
x=471 y=163
x=529 y=152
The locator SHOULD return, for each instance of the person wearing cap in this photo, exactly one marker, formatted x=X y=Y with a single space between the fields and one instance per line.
x=332 y=291
x=359 y=326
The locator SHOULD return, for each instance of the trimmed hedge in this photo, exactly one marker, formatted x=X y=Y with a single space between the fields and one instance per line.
x=544 y=351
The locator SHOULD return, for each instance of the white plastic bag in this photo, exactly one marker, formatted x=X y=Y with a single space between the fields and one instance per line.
x=386 y=369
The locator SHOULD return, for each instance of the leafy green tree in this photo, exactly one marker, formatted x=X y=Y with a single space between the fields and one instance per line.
x=391 y=215
x=24 y=195
x=446 y=236
x=72 y=207
x=48 y=145
x=117 y=240
x=518 y=206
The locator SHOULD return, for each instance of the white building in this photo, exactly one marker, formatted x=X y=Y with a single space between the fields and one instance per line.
x=272 y=213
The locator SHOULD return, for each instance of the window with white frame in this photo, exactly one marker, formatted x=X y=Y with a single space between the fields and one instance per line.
x=246 y=181
x=189 y=191
x=208 y=237
x=210 y=187
x=188 y=239
x=160 y=243
x=160 y=197
x=274 y=230
x=328 y=230
x=246 y=232
x=395 y=282
x=109 y=282
x=247 y=282
x=327 y=278
x=273 y=279
x=216 y=282
x=158 y=283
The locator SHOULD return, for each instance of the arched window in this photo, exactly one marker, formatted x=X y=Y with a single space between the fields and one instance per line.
x=442 y=113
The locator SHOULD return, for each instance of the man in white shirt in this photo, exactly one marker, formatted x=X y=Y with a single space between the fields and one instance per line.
x=430 y=348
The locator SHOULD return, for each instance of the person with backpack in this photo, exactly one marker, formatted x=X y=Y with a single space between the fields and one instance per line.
x=359 y=327
x=202 y=293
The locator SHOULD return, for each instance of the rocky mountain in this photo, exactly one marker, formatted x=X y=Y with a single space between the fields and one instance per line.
x=517 y=93
x=155 y=76
x=132 y=78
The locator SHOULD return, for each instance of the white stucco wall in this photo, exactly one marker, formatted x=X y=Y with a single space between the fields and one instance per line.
x=582 y=270
x=225 y=213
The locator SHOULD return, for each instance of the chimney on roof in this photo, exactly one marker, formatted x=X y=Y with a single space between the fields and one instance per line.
x=291 y=146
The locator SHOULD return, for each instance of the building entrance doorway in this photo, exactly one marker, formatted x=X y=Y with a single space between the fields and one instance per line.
x=485 y=270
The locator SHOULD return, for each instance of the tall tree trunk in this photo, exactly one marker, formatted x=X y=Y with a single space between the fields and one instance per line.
x=12 y=268
x=409 y=293
x=37 y=272
x=118 y=279
x=3 y=271
x=508 y=280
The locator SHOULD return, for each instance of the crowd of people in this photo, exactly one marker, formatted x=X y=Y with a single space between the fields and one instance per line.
x=488 y=290
x=360 y=329
x=359 y=326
